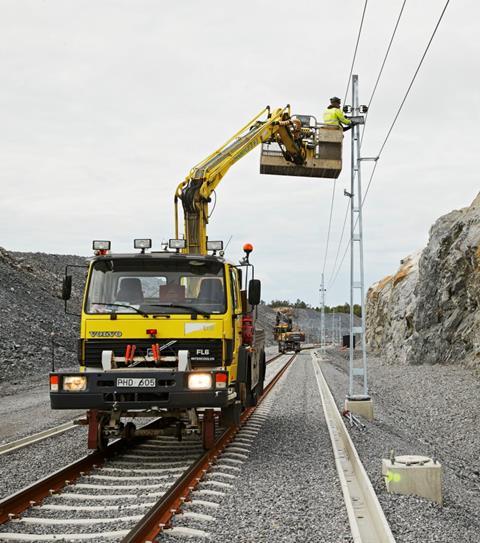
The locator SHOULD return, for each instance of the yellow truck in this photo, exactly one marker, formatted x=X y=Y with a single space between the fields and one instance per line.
x=287 y=336
x=171 y=334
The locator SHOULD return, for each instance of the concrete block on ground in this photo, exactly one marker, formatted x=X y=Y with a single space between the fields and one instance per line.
x=414 y=475
x=362 y=407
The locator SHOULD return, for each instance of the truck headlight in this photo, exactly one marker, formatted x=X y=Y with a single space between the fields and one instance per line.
x=199 y=381
x=74 y=383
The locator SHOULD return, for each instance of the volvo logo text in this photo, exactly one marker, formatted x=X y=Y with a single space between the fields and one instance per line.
x=106 y=334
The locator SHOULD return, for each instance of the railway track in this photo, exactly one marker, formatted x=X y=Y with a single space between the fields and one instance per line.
x=101 y=496
x=35 y=438
x=161 y=486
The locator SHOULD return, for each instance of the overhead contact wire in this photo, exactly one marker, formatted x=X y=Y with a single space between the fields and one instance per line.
x=329 y=225
x=402 y=103
x=356 y=49
x=382 y=67
x=330 y=282
x=341 y=264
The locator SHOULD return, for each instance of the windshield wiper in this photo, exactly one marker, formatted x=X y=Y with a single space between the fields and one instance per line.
x=121 y=305
x=190 y=308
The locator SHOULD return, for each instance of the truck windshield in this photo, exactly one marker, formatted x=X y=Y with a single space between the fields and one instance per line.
x=166 y=285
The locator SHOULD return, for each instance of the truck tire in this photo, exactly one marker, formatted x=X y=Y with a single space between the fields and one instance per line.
x=263 y=369
x=231 y=415
x=251 y=395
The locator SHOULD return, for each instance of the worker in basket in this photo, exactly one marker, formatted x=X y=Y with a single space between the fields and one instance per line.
x=334 y=116
x=298 y=132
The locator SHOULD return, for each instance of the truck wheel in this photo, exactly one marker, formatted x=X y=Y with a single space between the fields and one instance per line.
x=129 y=432
x=251 y=396
x=102 y=439
x=263 y=369
x=231 y=415
x=208 y=429
x=96 y=436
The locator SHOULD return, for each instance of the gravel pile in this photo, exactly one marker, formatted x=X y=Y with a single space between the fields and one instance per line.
x=286 y=489
x=426 y=410
x=30 y=309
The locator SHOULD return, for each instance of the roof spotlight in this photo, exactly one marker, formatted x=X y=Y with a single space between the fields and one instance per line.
x=101 y=247
x=177 y=244
x=142 y=244
x=214 y=246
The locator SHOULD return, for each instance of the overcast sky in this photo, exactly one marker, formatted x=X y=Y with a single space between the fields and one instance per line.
x=106 y=105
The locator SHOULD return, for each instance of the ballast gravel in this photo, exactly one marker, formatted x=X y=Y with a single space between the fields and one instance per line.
x=286 y=489
x=137 y=491
x=425 y=410
x=28 y=465
x=27 y=411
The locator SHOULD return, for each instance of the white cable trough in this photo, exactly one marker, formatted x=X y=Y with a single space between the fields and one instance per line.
x=365 y=514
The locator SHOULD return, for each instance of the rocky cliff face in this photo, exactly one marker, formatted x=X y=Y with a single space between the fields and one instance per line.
x=428 y=311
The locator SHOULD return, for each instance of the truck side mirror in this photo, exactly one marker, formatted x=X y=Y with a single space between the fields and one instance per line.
x=67 y=287
x=254 y=291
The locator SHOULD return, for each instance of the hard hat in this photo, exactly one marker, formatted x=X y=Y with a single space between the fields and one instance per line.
x=335 y=99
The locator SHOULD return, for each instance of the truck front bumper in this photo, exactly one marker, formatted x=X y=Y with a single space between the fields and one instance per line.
x=125 y=390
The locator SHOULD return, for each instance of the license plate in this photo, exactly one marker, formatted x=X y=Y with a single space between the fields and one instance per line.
x=136 y=382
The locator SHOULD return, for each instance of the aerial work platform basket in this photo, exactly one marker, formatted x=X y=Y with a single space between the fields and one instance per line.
x=323 y=145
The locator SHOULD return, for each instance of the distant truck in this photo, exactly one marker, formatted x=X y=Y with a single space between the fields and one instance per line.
x=287 y=338
x=291 y=341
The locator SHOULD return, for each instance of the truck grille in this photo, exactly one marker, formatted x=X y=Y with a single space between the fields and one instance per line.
x=204 y=353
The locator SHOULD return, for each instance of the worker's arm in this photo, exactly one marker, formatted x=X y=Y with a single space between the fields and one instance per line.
x=341 y=117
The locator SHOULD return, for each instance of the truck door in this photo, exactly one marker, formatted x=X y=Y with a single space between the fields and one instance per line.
x=236 y=313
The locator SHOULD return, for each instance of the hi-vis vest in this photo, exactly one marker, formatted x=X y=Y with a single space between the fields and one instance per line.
x=334 y=115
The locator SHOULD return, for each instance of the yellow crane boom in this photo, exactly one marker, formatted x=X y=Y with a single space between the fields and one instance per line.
x=195 y=192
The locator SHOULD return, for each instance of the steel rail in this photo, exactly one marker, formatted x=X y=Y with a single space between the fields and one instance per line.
x=34 y=438
x=276 y=357
x=13 y=505
x=20 y=501
x=161 y=514
x=365 y=514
